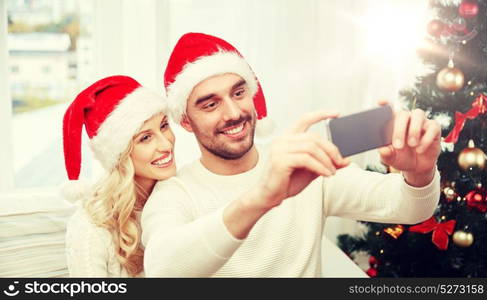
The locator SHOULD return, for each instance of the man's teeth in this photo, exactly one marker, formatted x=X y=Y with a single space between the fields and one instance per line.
x=234 y=130
x=163 y=161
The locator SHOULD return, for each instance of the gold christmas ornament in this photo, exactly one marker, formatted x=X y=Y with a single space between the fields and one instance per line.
x=463 y=239
x=471 y=157
x=450 y=79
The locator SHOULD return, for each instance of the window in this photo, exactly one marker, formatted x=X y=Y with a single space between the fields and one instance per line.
x=60 y=48
x=41 y=42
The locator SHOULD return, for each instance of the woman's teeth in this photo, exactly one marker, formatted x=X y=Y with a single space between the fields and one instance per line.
x=234 y=130
x=163 y=161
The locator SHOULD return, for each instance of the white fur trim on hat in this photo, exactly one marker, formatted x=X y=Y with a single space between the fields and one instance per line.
x=220 y=62
x=123 y=123
x=76 y=190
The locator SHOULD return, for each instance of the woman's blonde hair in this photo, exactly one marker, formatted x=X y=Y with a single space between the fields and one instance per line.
x=113 y=206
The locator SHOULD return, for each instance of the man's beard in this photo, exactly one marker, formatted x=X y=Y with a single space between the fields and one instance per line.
x=221 y=149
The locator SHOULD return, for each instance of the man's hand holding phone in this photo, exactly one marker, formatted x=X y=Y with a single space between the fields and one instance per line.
x=407 y=140
x=415 y=146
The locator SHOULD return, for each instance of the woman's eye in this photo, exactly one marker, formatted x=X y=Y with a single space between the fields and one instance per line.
x=164 y=125
x=145 y=138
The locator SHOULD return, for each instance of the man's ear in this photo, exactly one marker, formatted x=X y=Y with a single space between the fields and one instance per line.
x=186 y=124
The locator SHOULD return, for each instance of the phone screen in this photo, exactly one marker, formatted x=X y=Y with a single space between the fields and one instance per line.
x=362 y=131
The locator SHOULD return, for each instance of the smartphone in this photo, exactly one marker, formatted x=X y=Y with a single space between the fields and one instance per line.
x=363 y=131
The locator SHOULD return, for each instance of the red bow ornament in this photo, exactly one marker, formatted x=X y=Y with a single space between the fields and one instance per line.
x=477 y=199
x=479 y=107
x=441 y=231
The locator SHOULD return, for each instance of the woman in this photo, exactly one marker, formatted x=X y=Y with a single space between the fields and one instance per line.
x=130 y=136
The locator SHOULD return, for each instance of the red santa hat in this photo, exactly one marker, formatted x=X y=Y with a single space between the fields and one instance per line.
x=112 y=110
x=198 y=56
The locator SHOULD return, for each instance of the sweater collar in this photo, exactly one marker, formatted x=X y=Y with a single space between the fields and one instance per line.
x=228 y=180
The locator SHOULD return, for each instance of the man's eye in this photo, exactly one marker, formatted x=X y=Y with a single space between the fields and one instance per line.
x=239 y=93
x=209 y=105
x=164 y=125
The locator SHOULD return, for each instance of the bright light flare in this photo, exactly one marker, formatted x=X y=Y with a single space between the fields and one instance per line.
x=393 y=29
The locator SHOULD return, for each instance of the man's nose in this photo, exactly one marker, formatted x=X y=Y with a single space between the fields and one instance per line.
x=231 y=110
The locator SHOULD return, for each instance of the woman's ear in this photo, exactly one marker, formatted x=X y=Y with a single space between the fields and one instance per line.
x=186 y=124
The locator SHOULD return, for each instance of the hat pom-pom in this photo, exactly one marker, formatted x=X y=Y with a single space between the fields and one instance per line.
x=265 y=127
x=76 y=190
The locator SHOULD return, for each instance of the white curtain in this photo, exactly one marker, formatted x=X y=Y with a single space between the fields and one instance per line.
x=6 y=175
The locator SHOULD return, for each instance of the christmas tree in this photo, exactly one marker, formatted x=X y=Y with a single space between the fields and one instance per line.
x=453 y=243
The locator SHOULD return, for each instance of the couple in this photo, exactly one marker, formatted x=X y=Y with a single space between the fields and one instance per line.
x=238 y=211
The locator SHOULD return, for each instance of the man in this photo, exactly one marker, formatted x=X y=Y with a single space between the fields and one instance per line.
x=242 y=211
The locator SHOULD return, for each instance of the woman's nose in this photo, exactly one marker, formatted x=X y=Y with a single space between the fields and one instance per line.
x=164 y=143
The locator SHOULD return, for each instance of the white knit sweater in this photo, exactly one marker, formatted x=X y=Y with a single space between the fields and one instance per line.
x=90 y=250
x=184 y=234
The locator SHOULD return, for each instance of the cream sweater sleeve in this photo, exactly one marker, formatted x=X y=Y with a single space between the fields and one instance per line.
x=87 y=247
x=386 y=198
x=176 y=244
